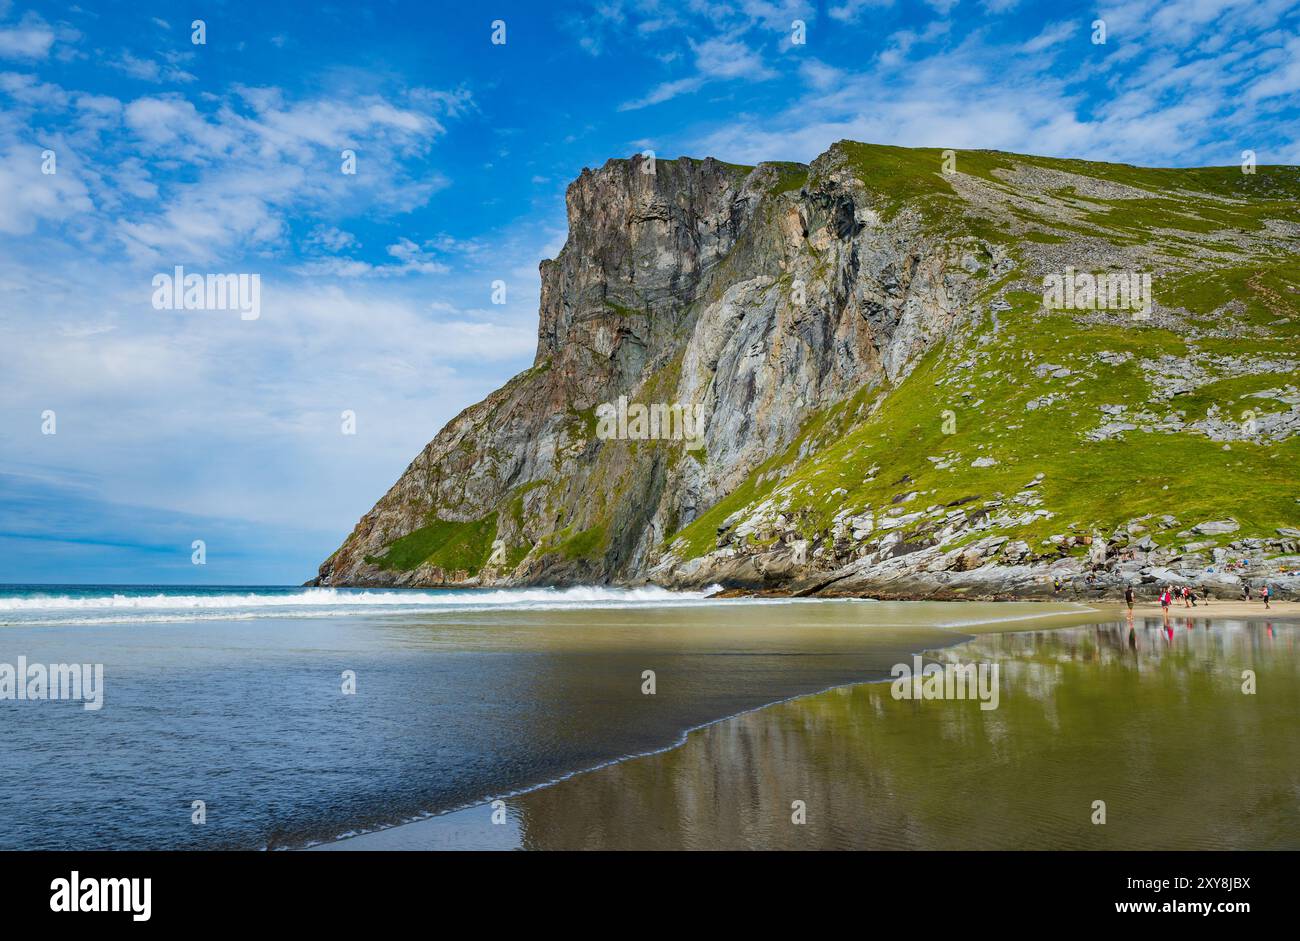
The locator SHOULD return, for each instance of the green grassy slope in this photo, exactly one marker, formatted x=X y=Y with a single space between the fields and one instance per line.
x=1224 y=317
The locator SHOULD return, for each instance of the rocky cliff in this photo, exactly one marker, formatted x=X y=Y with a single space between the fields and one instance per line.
x=891 y=402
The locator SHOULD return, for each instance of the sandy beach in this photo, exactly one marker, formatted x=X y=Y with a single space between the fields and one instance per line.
x=1148 y=717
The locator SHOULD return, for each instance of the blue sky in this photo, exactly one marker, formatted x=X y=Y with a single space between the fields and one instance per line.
x=376 y=286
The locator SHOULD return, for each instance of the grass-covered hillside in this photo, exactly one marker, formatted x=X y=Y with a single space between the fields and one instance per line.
x=1049 y=426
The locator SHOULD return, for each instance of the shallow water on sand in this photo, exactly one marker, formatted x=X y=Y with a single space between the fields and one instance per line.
x=236 y=699
x=1152 y=721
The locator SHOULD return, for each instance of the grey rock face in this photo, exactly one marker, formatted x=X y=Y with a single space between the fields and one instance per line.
x=698 y=284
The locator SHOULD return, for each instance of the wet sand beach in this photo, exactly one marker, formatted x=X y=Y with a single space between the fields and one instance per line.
x=1151 y=720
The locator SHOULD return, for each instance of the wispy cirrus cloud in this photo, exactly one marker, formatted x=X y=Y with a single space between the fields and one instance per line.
x=1052 y=35
x=254 y=158
x=1141 y=96
x=716 y=60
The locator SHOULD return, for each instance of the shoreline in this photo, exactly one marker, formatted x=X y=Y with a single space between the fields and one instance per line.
x=469 y=828
x=465 y=828
x=485 y=804
x=388 y=833
x=422 y=827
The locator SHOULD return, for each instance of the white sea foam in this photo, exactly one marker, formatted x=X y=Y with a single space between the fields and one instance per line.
x=352 y=598
x=36 y=606
x=110 y=607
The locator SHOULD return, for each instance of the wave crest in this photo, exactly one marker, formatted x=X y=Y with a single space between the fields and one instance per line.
x=335 y=599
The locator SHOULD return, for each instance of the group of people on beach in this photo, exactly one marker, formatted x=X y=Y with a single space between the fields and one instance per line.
x=1172 y=594
x=1265 y=593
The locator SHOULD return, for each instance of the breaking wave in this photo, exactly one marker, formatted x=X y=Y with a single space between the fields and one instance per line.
x=108 y=606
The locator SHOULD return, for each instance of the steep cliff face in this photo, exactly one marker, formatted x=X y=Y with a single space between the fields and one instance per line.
x=831 y=322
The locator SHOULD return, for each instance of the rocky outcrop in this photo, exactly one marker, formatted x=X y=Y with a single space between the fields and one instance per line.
x=784 y=304
x=950 y=559
x=687 y=282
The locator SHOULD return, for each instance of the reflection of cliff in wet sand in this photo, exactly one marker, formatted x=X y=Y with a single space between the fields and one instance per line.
x=1150 y=719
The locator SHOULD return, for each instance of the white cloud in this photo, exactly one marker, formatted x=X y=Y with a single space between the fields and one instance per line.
x=29 y=197
x=1283 y=80
x=942 y=7
x=30 y=39
x=410 y=259
x=172 y=125
x=820 y=75
x=716 y=59
x=149 y=70
x=329 y=238
x=260 y=156
x=777 y=14
x=901 y=42
x=132 y=385
x=665 y=91
x=29 y=90
x=1052 y=35
x=721 y=58
x=848 y=11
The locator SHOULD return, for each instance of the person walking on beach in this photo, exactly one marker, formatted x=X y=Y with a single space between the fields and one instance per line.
x=1245 y=590
x=1164 y=601
x=1265 y=593
x=1128 y=600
